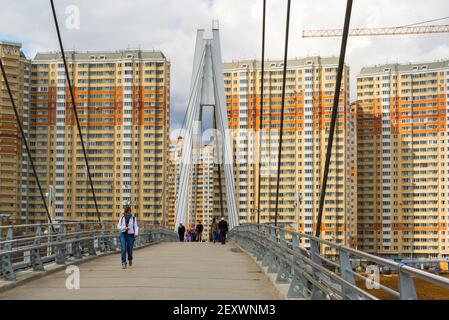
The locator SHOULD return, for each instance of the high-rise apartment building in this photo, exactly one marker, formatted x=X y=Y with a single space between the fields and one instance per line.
x=203 y=193
x=174 y=170
x=14 y=168
x=308 y=103
x=403 y=160
x=123 y=102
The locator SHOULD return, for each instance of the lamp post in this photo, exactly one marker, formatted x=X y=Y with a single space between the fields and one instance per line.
x=51 y=202
x=298 y=199
x=258 y=210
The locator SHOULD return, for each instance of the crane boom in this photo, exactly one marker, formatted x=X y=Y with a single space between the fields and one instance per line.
x=357 y=32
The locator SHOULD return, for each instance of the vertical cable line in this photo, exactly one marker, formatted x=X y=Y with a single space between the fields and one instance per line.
x=281 y=129
x=75 y=111
x=341 y=62
x=219 y=167
x=30 y=158
x=261 y=107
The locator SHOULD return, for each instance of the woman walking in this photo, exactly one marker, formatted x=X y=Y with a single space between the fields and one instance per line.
x=128 y=231
x=214 y=231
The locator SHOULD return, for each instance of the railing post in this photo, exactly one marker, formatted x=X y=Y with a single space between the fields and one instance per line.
x=345 y=266
x=260 y=250
x=60 y=247
x=76 y=246
x=115 y=238
x=273 y=264
x=298 y=284
x=6 y=264
x=407 y=288
x=111 y=239
x=284 y=268
x=317 y=293
x=35 y=256
x=264 y=237
x=91 y=243
x=101 y=241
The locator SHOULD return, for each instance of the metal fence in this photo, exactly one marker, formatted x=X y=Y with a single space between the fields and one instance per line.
x=33 y=245
x=311 y=274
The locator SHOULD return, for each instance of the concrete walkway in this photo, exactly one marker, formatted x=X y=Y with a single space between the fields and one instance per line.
x=168 y=271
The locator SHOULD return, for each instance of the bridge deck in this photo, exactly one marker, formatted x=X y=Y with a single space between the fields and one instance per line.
x=164 y=271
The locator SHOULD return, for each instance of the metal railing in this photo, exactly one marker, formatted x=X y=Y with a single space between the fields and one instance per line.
x=325 y=269
x=33 y=245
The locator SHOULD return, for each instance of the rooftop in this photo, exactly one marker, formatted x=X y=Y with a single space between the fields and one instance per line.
x=296 y=62
x=404 y=68
x=102 y=55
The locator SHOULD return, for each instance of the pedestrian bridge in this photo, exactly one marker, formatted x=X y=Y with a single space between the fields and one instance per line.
x=168 y=271
x=259 y=262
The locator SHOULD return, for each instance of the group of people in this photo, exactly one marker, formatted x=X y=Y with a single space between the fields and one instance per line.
x=193 y=234
x=129 y=230
x=218 y=232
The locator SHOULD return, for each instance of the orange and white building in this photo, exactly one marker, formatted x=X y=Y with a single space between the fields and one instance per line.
x=123 y=102
x=14 y=166
x=403 y=160
x=309 y=95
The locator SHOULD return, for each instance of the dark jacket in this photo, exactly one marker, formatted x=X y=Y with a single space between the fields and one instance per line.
x=181 y=230
x=223 y=226
x=199 y=228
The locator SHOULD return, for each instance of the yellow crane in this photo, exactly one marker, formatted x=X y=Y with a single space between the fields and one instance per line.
x=416 y=28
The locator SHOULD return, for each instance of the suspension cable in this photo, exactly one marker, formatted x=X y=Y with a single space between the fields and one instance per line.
x=218 y=166
x=341 y=62
x=75 y=111
x=281 y=130
x=30 y=158
x=261 y=107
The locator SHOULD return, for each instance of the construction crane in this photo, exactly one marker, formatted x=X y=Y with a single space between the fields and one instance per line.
x=416 y=28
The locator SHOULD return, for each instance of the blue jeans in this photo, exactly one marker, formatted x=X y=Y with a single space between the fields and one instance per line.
x=127 y=243
x=215 y=236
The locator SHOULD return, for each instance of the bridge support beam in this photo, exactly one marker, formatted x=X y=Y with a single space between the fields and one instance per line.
x=207 y=89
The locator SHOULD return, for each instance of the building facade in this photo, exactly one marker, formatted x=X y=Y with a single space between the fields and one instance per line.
x=309 y=95
x=203 y=193
x=14 y=167
x=403 y=164
x=123 y=102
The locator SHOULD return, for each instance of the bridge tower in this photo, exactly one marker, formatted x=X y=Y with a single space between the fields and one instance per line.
x=206 y=90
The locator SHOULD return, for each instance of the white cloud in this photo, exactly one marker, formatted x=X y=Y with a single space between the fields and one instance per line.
x=170 y=26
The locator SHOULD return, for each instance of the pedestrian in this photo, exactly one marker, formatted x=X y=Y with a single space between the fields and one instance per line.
x=214 y=230
x=223 y=227
x=188 y=236
x=129 y=230
x=192 y=232
x=181 y=232
x=199 y=231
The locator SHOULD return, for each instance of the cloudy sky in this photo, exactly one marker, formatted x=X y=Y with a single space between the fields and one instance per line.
x=170 y=26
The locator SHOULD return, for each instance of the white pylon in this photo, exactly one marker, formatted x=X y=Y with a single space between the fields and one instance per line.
x=206 y=89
